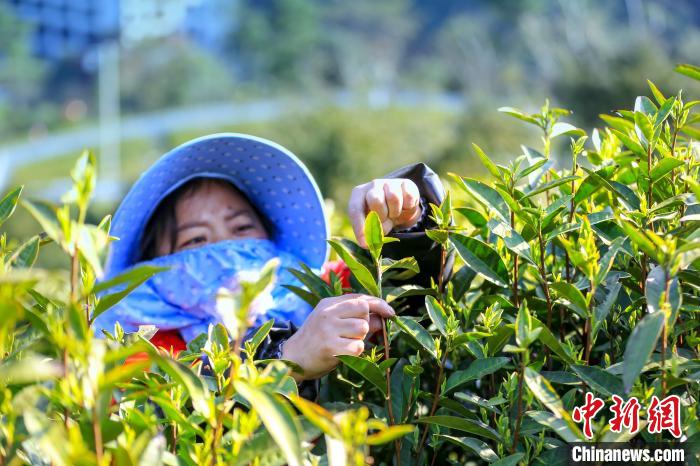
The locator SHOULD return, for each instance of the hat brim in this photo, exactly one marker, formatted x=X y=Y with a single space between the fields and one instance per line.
x=273 y=179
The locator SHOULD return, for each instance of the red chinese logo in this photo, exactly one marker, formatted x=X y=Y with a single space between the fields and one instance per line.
x=587 y=412
x=665 y=415
x=626 y=415
x=661 y=415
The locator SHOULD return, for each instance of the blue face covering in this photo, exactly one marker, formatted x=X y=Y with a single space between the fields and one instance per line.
x=184 y=297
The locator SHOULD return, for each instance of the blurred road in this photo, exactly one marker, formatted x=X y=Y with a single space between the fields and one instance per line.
x=207 y=116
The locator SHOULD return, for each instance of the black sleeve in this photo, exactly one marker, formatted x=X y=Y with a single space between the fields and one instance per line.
x=416 y=243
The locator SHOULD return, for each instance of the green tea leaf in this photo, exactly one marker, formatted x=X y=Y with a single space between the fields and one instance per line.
x=476 y=370
x=558 y=425
x=640 y=345
x=512 y=239
x=476 y=446
x=389 y=434
x=436 y=314
x=487 y=196
x=132 y=279
x=511 y=460
x=599 y=380
x=664 y=166
x=552 y=184
x=184 y=376
x=359 y=271
x=486 y=161
x=520 y=115
x=260 y=335
x=465 y=425
x=367 y=369
x=278 y=418
x=419 y=334
x=27 y=253
x=374 y=235
x=559 y=128
x=546 y=395
x=691 y=71
x=8 y=204
x=552 y=342
x=601 y=311
x=481 y=258
x=571 y=297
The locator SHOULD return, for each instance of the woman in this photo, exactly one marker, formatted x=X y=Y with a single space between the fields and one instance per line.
x=218 y=208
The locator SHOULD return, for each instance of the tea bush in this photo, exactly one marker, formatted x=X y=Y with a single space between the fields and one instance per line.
x=569 y=280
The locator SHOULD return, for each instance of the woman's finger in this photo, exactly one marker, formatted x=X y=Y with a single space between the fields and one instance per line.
x=356 y=212
x=349 y=346
x=411 y=195
x=394 y=198
x=355 y=328
x=360 y=306
x=376 y=201
x=375 y=324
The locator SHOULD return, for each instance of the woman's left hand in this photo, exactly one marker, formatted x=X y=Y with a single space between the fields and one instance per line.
x=396 y=201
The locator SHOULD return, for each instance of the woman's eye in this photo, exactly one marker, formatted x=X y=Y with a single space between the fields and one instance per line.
x=193 y=241
x=242 y=228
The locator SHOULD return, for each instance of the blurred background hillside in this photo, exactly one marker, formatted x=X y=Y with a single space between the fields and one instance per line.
x=355 y=88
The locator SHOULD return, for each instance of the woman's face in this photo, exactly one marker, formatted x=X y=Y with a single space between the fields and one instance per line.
x=214 y=212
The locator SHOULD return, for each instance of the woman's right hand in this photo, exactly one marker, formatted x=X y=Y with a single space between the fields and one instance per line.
x=336 y=326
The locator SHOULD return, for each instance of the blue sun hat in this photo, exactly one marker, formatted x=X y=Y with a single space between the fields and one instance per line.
x=271 y=177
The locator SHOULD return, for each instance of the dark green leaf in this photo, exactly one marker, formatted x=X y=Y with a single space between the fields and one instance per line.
x=546 y=395
x=476 y=370
x=481 y=258
x=417 y=333
x=436 y=314
x=571 y=297
x=511 y=460
x=465 y=425
x=512 y=239
x=486 y=195
x=476 y=446
x=599 y=380
x=367 y=369
x=640 y=345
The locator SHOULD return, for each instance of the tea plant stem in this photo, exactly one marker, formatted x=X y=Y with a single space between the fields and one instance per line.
x=650 y=188
x=588 y=330
x=545 y=285
x=664 y=335
x=97 y=432
x=74 y=277
x=515 y=266
x=433 y=408
x=519 y=418
x=443 y=259
x=173 y=429
x=673 y=154
x=389 y=406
